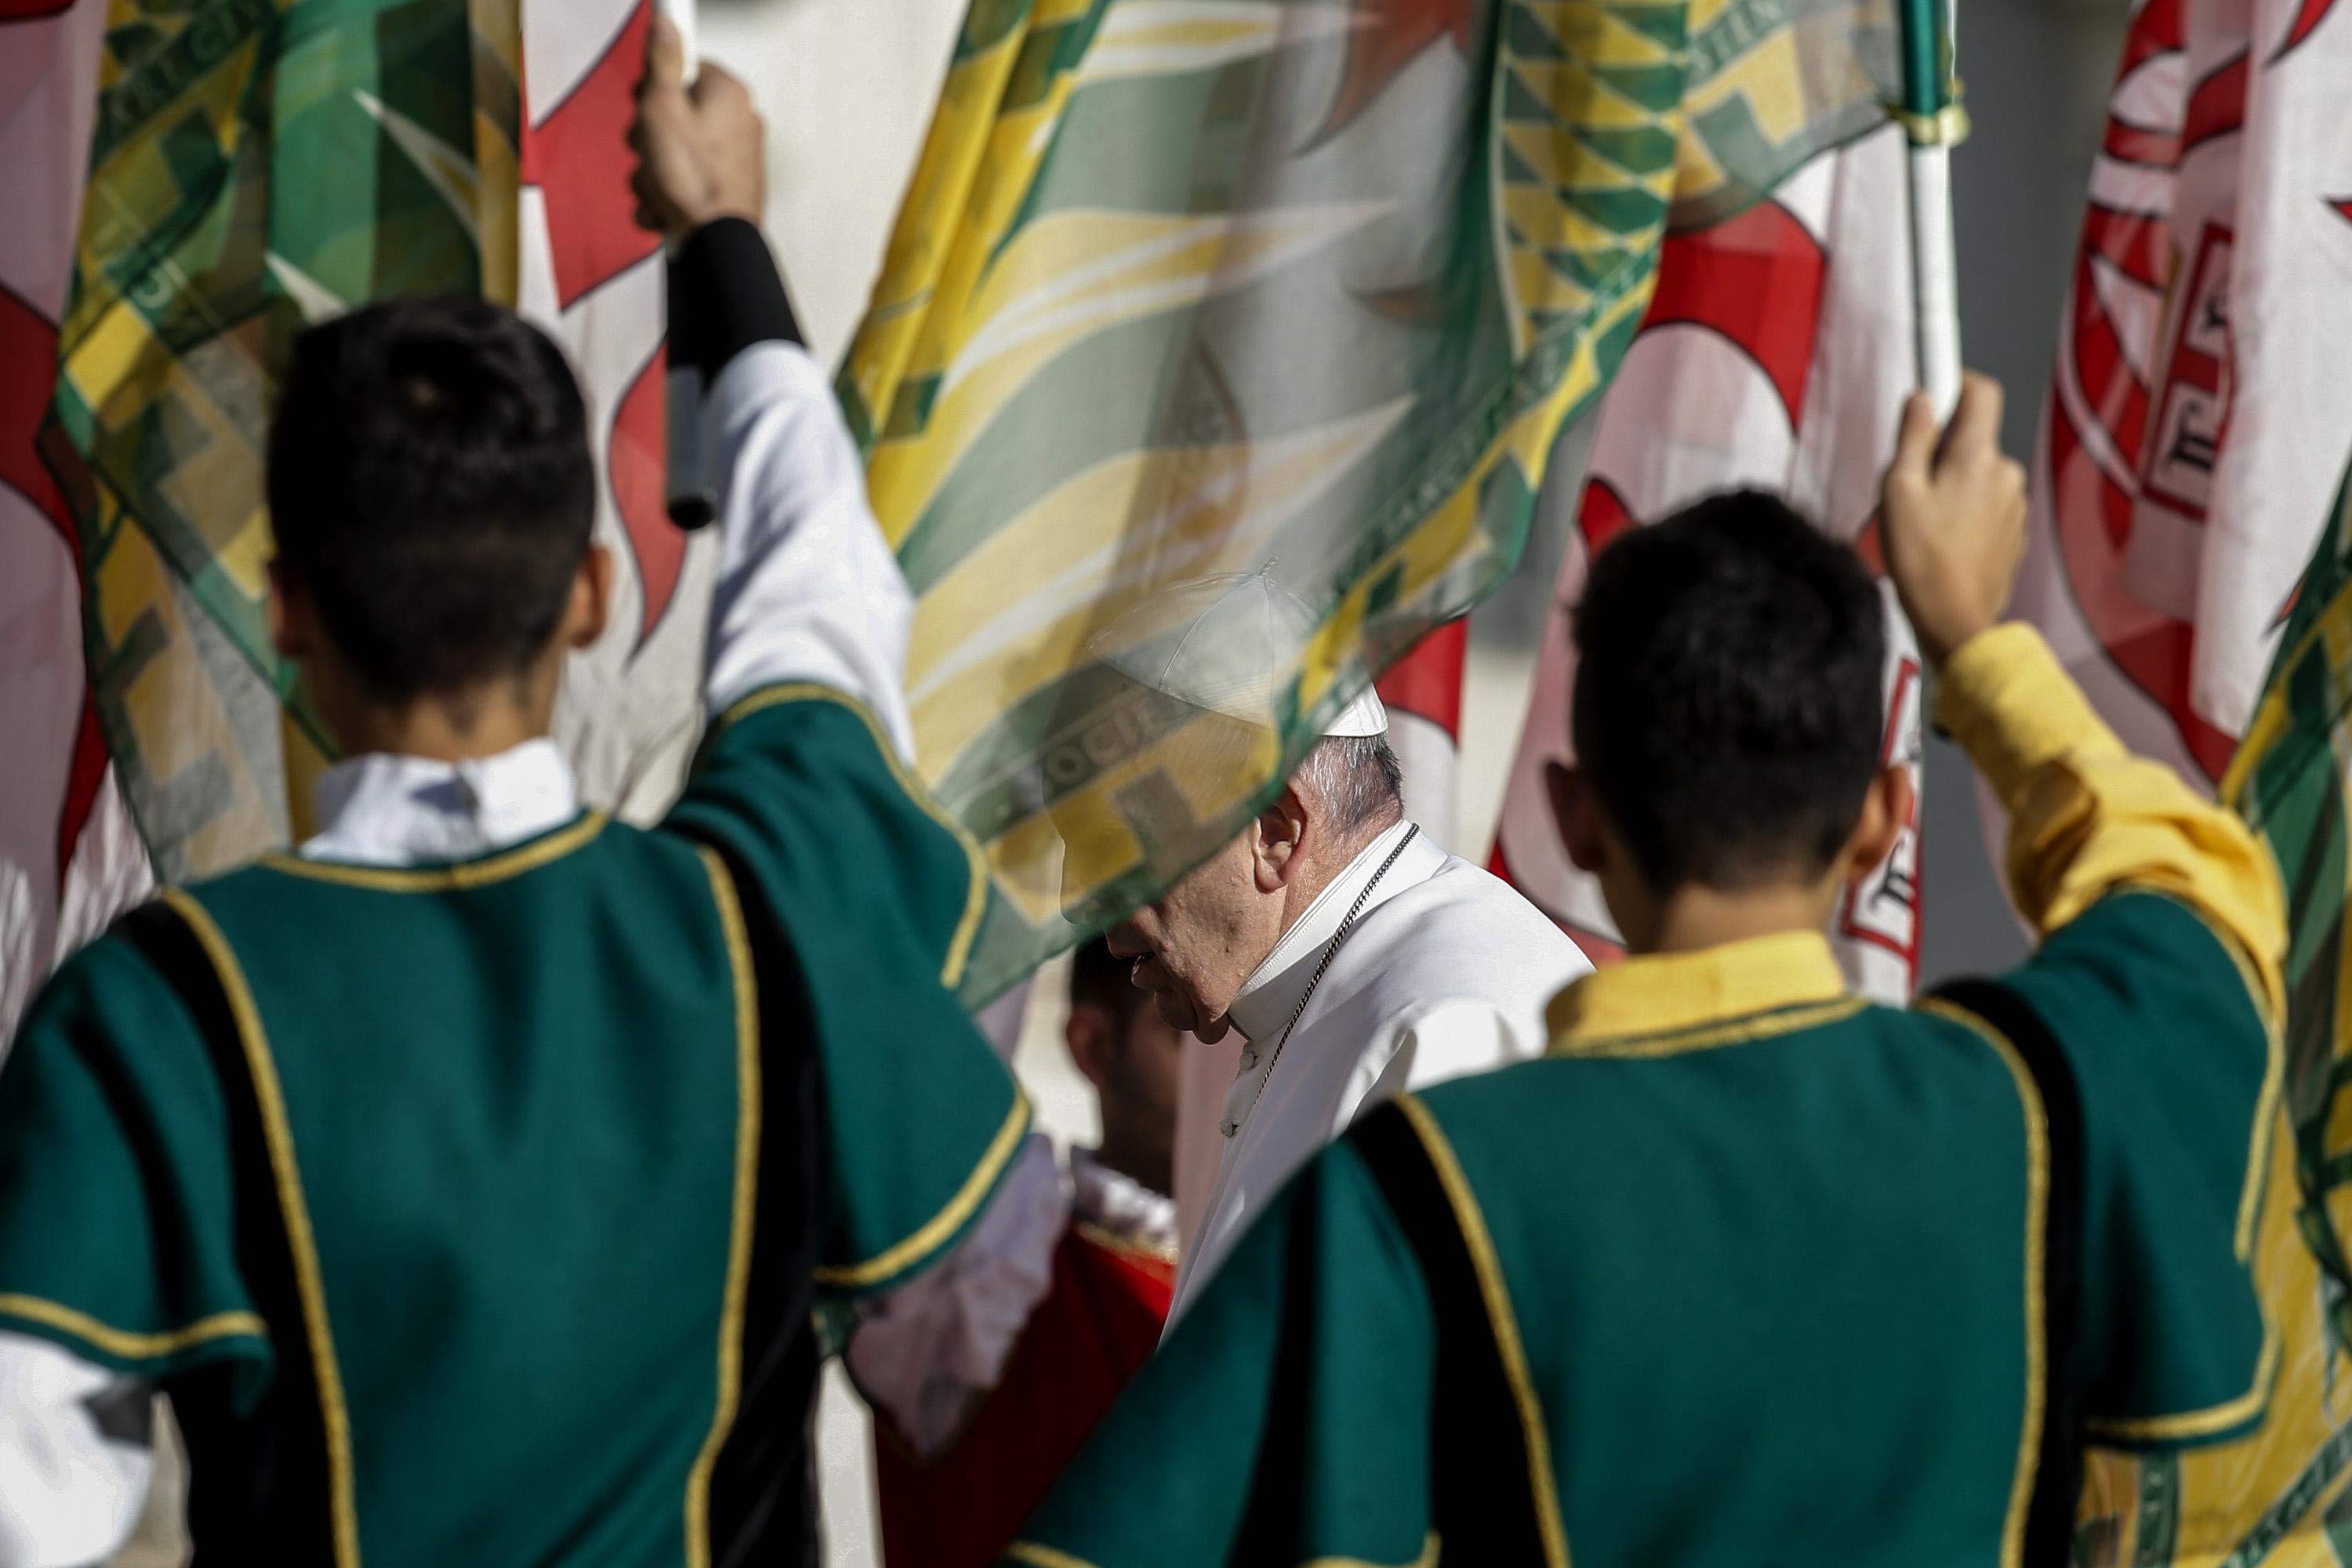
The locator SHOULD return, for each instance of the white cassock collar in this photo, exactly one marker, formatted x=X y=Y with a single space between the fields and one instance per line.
x=1265 y=1001
x=386 y=810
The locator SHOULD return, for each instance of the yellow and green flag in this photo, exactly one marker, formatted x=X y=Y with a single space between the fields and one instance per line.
x=1187 y=287
x=2284 y=1492
x=256 y=164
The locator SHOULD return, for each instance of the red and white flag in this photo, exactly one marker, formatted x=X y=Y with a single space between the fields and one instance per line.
x=630 y=711
x=2197 y=428
x=70 y=857
x=1777 y=355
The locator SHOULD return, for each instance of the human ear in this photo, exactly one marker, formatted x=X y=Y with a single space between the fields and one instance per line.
x=1088 y=1034
x=292 y=630
x=1577 y=815
x=1276 y=838
x=1885 y=813
x=590 y=609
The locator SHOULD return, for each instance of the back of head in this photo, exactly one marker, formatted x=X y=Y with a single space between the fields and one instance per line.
x=431 y=488
x=1729 y=707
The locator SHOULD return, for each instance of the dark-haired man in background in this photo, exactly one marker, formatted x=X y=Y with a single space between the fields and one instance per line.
x=1749 y=1270
x=989 y=1373
x=469 y=1177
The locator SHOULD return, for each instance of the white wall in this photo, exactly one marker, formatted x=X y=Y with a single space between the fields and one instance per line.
x=847 y=86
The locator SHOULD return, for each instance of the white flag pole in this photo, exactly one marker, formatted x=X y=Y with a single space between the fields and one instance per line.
x=692 y=503
x=1935 y=123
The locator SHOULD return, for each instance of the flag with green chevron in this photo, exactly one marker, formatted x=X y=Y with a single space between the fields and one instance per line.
x=1185 y=288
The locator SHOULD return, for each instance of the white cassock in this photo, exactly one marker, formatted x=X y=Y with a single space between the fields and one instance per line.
x=1447 y=971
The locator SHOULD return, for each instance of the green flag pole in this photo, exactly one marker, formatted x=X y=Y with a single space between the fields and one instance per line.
x=1935 y=123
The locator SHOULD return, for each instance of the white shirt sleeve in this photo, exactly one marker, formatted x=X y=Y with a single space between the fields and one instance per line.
x=70 y=1493
x=808 y=589
x=927 y=1353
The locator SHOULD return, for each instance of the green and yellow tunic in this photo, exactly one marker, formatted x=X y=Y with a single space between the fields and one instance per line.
x=1749 y=1270
x=482 y=1211
x=476 y=1212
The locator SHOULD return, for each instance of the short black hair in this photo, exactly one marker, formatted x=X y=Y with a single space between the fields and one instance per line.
x=431 y=486
x=1729 y=706
x=1099 y=978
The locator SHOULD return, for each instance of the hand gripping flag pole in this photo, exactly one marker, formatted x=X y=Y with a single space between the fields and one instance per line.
x=1934 y=119
x=692 y=503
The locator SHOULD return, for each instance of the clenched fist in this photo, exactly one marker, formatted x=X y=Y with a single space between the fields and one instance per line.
x=1953 y=516
x=701 y=150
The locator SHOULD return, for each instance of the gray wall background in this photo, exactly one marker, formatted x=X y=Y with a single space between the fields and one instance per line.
x=2037 y=74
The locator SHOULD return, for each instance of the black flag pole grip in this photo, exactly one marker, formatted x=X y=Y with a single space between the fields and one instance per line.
x=693 y=504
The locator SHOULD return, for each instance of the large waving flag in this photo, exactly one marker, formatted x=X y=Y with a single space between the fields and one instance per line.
x=68 y=859
x=1777 y=355
x=2191 y=440
x=253 y=166
x=1190 y=287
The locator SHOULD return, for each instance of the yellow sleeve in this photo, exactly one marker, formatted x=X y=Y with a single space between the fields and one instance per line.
x=2087 y=818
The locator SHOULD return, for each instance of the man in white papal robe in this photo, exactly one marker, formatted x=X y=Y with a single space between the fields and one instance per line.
x=1355 y=957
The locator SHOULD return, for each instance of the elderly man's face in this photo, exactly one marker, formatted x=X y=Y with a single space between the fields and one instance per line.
x=1195 y=947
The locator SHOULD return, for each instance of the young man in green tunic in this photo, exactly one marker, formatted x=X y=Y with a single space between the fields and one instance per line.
x=1748 y=1270
x=469 y=1176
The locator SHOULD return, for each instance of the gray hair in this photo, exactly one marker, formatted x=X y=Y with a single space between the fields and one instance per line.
x=1357 y=778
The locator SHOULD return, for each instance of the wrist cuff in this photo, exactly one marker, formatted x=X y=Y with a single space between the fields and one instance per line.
x=725 y=294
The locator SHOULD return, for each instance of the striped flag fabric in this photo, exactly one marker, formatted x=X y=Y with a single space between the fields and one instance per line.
x=1777 y=355
x=1184 y=288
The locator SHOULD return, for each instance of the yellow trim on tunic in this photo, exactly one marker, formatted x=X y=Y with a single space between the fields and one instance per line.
x=466 y=874
x=976 y=900
x=310 y=1281
x=123 y=1342
x=2037 y=1221
x=1496 y=1292
x=948 y=1221
x=747 y=1183
x=1664 y=1004
x=2206 y=1423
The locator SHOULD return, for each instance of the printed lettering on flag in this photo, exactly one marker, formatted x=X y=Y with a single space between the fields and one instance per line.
x=1777 y=355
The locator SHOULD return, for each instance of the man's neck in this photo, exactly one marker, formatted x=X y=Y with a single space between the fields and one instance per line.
x=443 y=729
x=1328 y=866
x=1132 y=1158
x=1695 y=918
